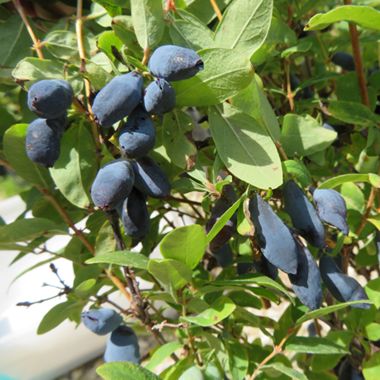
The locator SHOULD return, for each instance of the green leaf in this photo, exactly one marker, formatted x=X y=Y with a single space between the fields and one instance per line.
x=365 y=16
x=122 y=258
x=245 y=25
x=375 y=221
x=56 y=315
x=353 y=113
x=219 y=310
x=373 y=291
x=287 y=371
x=371 y=178
x=224 y=218
x=35 y=69
x=252 y=279
x=14 y=150
x=148 y=22
x=353 y=196
x=177 y=146
x=303 y=135
x=28 y=229
x=63 y=44
x=75 y=169
x=188 y=31
x=172 y=273
x=371 y=367
x=237 y=360
x=253 y=102
x=186 y=244
x=313 y=345
x=298 y=170
x=15 y=42
x=124 y=370
x=372 y=331
x=162 y=353
x=245 y=147
x=84 y=288
x=326 y=310
x=107 y=40
x=105 y=240
x=217 y=81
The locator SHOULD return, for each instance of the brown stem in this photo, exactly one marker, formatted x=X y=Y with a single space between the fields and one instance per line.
x=36 y=42
x=146 y=56
x=277 y=349
x=290 y=95
x=370 y=202
x=216 y=9
x=87 y=84
x=183 y=200
x=67 y=219
x=281 y=151
x=358 y=60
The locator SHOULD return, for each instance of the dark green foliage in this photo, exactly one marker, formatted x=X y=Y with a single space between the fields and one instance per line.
x=43 y=140
x=150 y=179
x=159 y=97
x=50 y=98
x=344 y=288
x=224 y=255
x=331 y=208
x=227 y=198
x=306 y=283
x=134 y=215
x=112 y=184
x=101 y=321
x=122 y=345
x=273 y=236
x=118 y=98
x=138 y=135
x=304 y=217
x=174 y=63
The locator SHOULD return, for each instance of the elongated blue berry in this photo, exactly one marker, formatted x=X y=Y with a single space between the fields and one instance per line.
x=172 y=63
x=138 y=135
x=122 y=346
x=303 y=214
x=101 y=321
x=331 y=208
x=159 y=97
x=150 y=179
x=43 y=140
x=273 y=236
x=112 y=184
x=50 y=98
x=344 y=288
x=118 y=98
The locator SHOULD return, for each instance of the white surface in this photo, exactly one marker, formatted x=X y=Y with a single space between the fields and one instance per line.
x=24 y=355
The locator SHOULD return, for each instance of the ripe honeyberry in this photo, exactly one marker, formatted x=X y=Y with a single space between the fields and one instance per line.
x=112 y=184
x=50 y=98
x=117 y=99
x=172 y=63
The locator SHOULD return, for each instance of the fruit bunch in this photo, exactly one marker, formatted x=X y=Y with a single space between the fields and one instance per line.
x=122 y=344
x=122 y=184
x=49 y=99
x=284 y=248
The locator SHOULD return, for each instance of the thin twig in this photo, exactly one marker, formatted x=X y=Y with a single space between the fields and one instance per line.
x=358 y=61
x=36 y=42
x=216 y=9
x=277 y=349
x=281 y=150
x=87 y=84
x=370 y=202
x=146 y=56
x=183 y=200
x=290 y=95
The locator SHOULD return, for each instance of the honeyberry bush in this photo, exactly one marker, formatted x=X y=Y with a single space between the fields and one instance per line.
x=283 y=108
